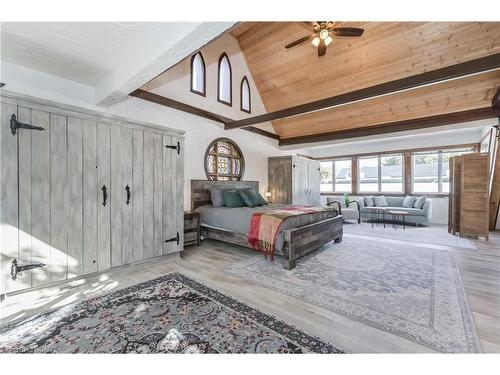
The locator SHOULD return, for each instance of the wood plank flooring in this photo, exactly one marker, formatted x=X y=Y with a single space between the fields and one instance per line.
x=480 y=270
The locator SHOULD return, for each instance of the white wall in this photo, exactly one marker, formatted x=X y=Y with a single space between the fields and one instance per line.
x=175 y=83
x=199 y=132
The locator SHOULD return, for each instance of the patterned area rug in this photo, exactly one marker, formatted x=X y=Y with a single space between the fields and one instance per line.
x=414 y=292
x=172 y=314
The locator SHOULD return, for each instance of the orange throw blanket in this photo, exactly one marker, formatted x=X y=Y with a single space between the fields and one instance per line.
x=265 y=225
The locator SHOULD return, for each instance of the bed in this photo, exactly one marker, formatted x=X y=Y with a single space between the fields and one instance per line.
x=298 y=235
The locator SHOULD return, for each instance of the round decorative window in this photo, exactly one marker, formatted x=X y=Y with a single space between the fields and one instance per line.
x=224 y=161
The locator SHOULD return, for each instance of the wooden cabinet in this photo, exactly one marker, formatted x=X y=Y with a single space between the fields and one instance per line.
x=86 y=193
x=294 y=180
x=468 y=200
x=191 y=228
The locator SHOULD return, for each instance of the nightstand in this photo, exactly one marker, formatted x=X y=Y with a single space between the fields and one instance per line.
x=191 y=228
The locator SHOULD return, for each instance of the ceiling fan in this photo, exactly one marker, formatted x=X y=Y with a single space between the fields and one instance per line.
x=323 y=31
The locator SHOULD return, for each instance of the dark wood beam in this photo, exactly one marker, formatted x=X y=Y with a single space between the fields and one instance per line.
x=397 y=126
x=171 y=103
x=432 y=77
x=496 y=100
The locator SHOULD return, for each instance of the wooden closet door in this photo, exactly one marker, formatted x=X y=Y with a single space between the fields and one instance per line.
x=138 y=191
x=9 y=245
x=314 y=180
x=173 y=194
x=126 y=208
x=103 y=194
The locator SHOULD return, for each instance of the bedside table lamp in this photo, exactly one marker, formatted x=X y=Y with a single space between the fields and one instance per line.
x=268 y=196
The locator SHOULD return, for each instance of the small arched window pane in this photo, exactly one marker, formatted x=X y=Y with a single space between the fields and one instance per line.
x=224 y=80
x=198 y=74
x=245 y=95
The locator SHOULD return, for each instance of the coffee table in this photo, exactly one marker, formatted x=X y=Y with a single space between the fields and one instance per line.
x=376 y=213
x=398 y=215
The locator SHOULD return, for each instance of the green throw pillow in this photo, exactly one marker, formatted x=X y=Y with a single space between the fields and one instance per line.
x=232 y=198
x=252 y=198
x=248 y=198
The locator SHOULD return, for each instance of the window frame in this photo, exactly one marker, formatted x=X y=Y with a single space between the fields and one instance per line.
x=232 y=176
x=439 y=152
x=230 y=103
x=379 y=177
x=333 y=176
x=249 y=110
x=204 y=93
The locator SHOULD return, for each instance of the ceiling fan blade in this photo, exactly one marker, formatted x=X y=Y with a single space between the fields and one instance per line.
x=321 y=48
x=298 y=41
x=347 y=31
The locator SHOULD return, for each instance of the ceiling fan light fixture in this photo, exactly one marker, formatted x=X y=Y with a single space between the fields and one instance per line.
x=315 y=41
x=323 y=34
x=328 y=40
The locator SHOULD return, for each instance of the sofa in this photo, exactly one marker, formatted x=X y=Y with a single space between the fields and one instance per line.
x=417 y=216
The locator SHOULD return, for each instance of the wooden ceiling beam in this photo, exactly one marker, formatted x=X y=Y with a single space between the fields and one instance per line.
x=397 y=126
x=456 y=71
x=171 y=103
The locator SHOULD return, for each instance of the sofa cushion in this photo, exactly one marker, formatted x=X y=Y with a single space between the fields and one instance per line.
x=408 y=202
x=369 y=201
x=380 y=201
x=419 y=202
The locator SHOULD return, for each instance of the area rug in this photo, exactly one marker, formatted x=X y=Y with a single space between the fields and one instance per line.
x=437 y=235
x=410 y=291
x=172 y=314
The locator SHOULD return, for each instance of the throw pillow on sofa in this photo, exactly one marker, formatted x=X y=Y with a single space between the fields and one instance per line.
x=409 y=202
x=419 y=202
x=380 y=201
x=369 y=201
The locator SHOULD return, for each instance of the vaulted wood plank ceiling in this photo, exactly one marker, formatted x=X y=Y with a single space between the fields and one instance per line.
x=385 y=52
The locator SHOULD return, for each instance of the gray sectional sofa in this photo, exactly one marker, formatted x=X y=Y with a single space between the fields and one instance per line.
x=417 y=216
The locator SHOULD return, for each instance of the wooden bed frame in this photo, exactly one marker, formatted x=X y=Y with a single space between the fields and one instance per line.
x=298 y=241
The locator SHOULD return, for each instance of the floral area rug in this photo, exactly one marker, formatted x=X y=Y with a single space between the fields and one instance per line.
x=410 y=291
x=172 y=314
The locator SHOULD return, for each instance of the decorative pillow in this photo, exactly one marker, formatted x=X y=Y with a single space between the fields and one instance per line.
x=409 y=202
x=380 y=201
x=369 y=201
x=216 y=197
x=232 y=198
x=259 y=198
x=248 y=198
x=419 y=202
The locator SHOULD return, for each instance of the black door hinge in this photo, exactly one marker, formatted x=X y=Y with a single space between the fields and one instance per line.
x=14 y=125
x=15 y=269
x=176 y=239
x=175 y=147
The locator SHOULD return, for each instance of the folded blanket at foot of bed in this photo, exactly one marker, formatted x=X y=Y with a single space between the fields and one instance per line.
x=265 y=225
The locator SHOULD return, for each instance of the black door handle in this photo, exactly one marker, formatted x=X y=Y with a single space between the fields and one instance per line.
x=127 y=188
x=104 y=195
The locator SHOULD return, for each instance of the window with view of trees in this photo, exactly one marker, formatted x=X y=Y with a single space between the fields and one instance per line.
x=335 y=176
x=381 y=174
x=431 y=170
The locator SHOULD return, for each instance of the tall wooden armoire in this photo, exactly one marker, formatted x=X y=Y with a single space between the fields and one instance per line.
x=468 y=199
x=294 y=180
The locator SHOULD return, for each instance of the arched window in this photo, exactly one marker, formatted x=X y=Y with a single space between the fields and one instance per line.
x=198 y=79
x=246 y=101
x=225 y=81
x=224 y=161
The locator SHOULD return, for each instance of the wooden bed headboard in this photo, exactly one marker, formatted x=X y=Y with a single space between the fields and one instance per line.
x=200 y=190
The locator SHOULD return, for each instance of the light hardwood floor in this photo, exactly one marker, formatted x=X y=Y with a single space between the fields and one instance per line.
x=480 y=271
